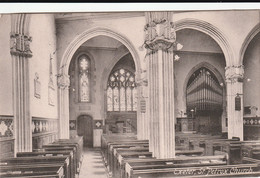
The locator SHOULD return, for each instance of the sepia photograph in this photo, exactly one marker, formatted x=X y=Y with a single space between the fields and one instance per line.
x=129 y=90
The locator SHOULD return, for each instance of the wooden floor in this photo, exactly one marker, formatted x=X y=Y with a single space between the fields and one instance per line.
x=92 y=165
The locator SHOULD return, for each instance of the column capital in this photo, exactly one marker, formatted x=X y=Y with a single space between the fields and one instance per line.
x=63 y=81
x=20 y=45
x=159 y=31
x=234 y=73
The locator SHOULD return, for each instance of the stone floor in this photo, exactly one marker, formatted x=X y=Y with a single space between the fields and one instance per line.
x=92 y=165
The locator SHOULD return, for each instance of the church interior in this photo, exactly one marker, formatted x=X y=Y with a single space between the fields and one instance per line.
x=130 y=94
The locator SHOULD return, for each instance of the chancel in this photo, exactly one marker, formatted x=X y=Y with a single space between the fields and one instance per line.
x=130 y=94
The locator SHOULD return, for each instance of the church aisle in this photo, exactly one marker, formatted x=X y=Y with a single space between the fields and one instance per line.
x=92 y=165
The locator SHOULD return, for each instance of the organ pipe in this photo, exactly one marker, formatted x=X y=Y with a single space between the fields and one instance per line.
x=204 y=91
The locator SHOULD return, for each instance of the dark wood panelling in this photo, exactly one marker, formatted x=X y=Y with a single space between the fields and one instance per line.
x=6 y=148
x=121 y=122
x=252 y=128
x=6 y=136
x=44 y=131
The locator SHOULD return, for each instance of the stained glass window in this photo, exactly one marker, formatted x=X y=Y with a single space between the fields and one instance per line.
x=116 y=98
x=109 y=99
x=129 y=99
x=121 y=92
x=84 y=78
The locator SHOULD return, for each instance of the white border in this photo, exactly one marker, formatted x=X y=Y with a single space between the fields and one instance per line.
x=108 y=7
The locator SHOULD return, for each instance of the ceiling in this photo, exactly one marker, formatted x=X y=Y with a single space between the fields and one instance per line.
x=60 y=17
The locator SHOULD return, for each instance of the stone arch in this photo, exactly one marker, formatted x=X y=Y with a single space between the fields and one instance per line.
x=247 y=40
x=90 y=33
x=67 y=57
x=210 y=30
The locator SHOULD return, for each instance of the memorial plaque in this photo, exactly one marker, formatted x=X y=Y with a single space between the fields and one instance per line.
x=237 y=103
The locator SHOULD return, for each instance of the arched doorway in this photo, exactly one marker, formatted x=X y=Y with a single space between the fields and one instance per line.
x=204 y=100
x=85 y=129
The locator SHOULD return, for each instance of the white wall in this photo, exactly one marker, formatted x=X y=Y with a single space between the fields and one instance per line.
x=6 y=93
x=252 y=74
x=42 y=30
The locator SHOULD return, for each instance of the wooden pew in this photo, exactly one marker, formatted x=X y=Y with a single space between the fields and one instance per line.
x=195 y=152
x=189 y=169
x=191 y=140
x=39 y=160
x=118 y=151
x=122 y=142
x=64 y=148
x=121 y=156
x=250 y=147
x=32 y=170
x=132 y=144
x=78 y=142
x=105 y=138
x=179 y=160
x=69 y=154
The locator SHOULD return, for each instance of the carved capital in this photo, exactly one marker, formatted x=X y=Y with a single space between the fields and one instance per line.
x=160 y=35
x=63 y=81
x=20 y=45
x=234 y=73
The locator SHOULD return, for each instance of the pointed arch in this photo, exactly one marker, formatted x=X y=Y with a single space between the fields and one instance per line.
x=208 y=66
x=93 y=32
x=247 y=40
x=210 y=30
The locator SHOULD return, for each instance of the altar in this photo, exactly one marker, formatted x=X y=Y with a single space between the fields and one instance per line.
x=186 y=124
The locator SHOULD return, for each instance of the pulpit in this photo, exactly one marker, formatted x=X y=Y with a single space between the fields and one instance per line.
x=186 y=124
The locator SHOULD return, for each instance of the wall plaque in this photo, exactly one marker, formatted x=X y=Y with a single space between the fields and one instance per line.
x=237 y=103
x=51 y=89
x=37 y=86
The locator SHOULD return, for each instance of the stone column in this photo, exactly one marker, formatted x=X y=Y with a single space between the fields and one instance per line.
x=142 y=116
x=63 y=85
x=234 y=79
x=20 y=52
x=160 y=42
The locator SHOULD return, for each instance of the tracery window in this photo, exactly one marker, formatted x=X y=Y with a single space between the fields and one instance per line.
x=121 y=91
x=84 y=78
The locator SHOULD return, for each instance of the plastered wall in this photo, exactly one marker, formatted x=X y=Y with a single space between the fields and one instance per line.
x=252 y=75
x=6 y=95
x=42 y=30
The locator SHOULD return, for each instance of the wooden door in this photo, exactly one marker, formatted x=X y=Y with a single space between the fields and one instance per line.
x=85 y=129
